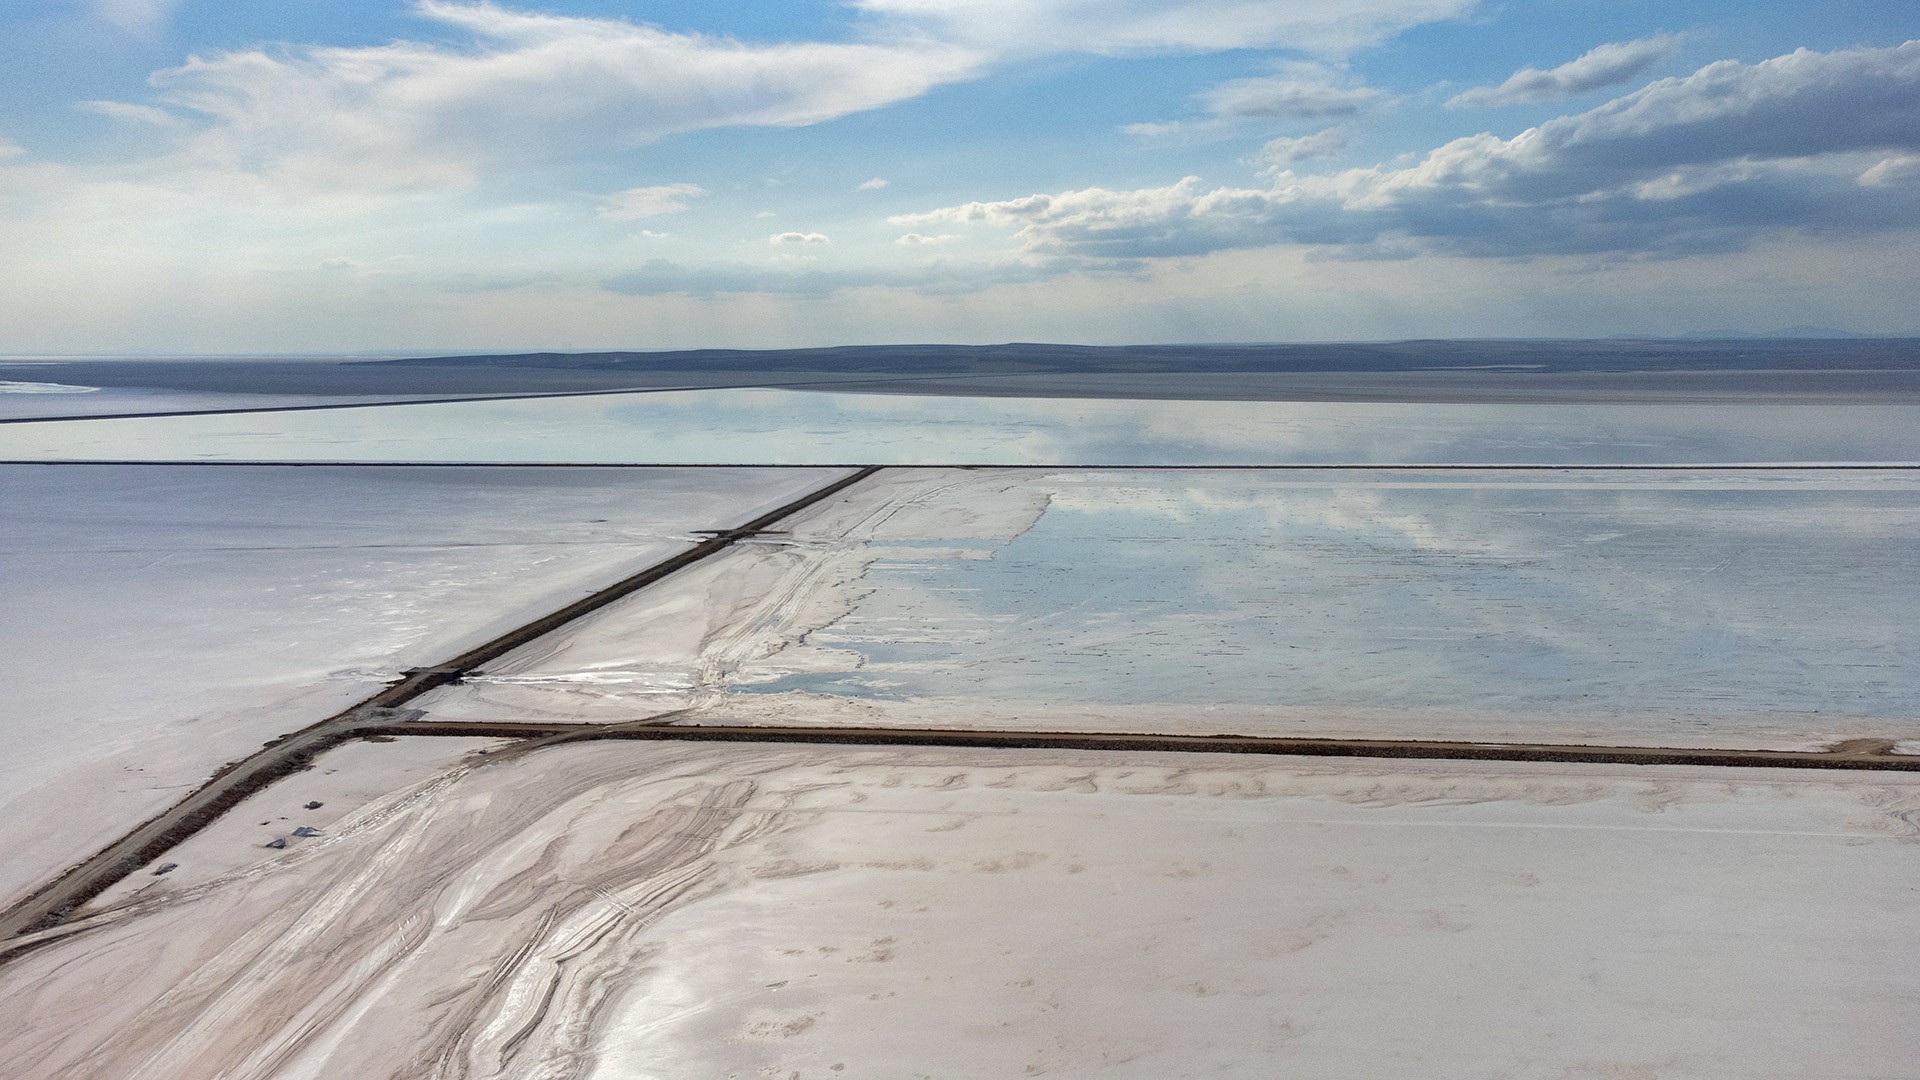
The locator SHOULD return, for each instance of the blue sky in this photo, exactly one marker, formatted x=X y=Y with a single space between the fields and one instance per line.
x=351 y=175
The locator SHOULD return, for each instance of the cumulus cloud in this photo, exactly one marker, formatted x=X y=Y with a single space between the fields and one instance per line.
x=798 y=238
x=1684 y=165
x=10 y=150
x=1279 y=154
x=645 y=202
x=874 y=184
x=1604 y=66
x=1333 y=27
x=914 y=239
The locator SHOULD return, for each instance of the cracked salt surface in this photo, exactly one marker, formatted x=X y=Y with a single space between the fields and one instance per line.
x=1769 y=610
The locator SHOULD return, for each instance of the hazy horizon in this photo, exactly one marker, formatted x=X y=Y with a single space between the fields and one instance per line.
x=184 y=177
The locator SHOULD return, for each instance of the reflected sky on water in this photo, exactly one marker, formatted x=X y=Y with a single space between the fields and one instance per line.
x=1682 y=597
x=797 y=427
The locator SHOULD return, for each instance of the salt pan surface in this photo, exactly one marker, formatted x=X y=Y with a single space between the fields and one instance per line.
x=663 y=911
x=161 y=621
x=1767 y=609
x=797 y=427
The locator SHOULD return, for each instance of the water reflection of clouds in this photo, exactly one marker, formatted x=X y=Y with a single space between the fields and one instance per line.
x=1353 y=508
x=793 y=427
x=1686 y=596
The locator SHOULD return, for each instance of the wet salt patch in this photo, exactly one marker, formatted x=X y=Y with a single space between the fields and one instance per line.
x=1247 y=590
x=1752 y=610
x=805 y=427
x=9 y=386
x=164 y=621
x=624 y=683
x=319 y=802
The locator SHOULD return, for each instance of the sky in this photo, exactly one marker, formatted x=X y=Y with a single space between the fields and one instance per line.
x=378 y=176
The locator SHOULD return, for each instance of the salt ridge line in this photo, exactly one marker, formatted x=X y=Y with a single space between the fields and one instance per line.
x=53 y=902
x=1873 y=754
x=337 y=463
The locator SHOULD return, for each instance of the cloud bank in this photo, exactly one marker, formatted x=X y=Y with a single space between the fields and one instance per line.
x=1812 y=141
x=527 y=88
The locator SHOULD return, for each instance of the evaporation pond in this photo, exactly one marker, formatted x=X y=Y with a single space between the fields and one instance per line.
x=1734 y=608
x=799 y=427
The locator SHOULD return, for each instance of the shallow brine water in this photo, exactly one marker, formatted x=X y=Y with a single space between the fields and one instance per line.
x=1681 y=607
x=798 y=427
x=1696 y=594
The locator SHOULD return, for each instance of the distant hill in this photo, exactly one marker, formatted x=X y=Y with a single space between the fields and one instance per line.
x=1800 y=333
x=1616 y=355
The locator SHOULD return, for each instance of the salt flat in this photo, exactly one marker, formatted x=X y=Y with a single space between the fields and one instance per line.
x=24 y=400
x=162 y=621
x=672 y=910
x=1737 y=610
x=744 y=427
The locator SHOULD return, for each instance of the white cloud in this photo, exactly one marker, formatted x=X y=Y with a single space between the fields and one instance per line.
x=797 y=238
x=141 y=17
x=1604 y=66
x=501 y=88
x=1278 y=154
x=10 y=150
x=913 y=239
x=339 y=262
x=1900 y=168
x=1708 y=162
x=1297 y=90
x=874 y=184
x=645 y=202
x=652 y=235
x=1333 y=27
x=132 y=114
x=765 y=214
x=799 y=275
x=525 y=88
